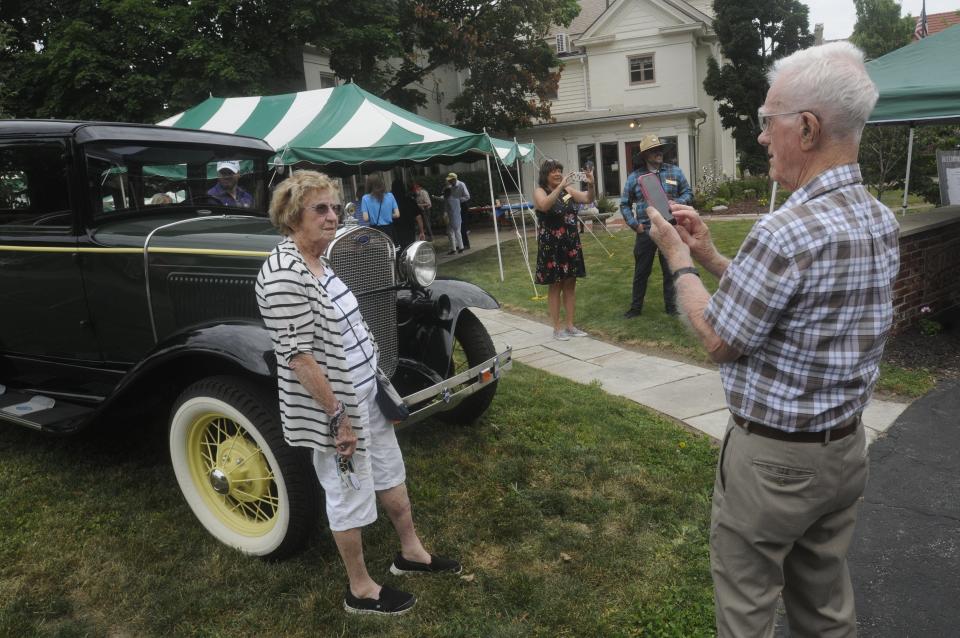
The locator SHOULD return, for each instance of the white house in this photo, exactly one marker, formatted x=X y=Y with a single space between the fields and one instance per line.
x=632 y=68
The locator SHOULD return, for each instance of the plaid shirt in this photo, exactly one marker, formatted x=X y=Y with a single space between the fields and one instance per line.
x=674 y=183
x=807 y=301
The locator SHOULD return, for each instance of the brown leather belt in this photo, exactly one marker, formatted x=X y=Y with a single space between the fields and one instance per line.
x=824 y=436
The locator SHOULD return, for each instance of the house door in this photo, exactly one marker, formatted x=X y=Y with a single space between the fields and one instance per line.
x=610 y=169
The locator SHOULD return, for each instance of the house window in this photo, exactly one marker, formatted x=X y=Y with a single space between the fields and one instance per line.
x=327 y=81
x=563 y=44
x=641 y=69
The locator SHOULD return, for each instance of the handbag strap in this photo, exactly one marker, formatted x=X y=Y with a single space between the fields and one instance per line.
x=353 y=330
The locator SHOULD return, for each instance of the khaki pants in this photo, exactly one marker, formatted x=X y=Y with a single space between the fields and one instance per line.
x=782 y=520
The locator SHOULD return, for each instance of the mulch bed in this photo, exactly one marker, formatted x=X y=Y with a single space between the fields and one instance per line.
x=940 y=353
x=744 y=207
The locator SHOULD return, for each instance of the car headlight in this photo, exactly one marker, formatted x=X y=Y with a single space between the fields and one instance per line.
x=418 y=264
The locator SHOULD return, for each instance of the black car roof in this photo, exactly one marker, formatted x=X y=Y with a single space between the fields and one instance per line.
x=85 y=132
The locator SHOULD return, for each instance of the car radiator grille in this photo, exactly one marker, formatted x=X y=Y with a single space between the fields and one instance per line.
x=364 y=260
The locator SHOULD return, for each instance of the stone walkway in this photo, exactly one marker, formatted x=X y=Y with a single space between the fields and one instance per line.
x=690 y=394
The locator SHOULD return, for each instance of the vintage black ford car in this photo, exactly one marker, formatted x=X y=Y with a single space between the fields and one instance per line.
x=125 y=287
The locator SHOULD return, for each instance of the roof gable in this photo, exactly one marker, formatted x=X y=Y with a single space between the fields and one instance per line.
x=672 y=13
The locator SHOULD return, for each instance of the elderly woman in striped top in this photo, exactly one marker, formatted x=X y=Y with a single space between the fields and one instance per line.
x=326 y=362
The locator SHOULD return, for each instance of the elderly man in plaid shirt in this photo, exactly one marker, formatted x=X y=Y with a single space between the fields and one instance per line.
x=798 y=326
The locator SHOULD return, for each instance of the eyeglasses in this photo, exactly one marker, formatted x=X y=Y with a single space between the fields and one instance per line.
x=346 y=472
x=323 y=208
x=764 y=118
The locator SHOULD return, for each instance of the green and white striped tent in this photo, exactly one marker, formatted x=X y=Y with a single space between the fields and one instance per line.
x=347 y=127
x=343 y=125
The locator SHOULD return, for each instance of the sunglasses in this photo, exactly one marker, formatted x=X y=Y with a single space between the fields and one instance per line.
x=323 y=208
x=346 y=472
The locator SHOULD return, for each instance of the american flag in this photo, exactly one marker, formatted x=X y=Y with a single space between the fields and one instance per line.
x=921 y=31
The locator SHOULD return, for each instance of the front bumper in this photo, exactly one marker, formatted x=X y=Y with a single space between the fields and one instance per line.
x=448 y=393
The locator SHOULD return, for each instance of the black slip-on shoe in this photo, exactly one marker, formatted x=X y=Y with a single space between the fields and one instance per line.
x=392 y=602
x=437 y=565
x=633 y=312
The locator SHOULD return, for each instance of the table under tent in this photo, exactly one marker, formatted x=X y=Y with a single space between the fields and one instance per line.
x=345 y=128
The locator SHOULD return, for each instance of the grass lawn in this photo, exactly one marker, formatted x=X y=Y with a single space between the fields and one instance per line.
x=893 y=199
x=604 y=295
x=575 y=514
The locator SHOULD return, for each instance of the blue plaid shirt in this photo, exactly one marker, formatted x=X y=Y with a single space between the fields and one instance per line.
x=674 y=183
x=808 y=302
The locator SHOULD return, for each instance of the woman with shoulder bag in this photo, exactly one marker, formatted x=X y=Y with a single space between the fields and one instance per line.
x=379 y=206
x=327 y=377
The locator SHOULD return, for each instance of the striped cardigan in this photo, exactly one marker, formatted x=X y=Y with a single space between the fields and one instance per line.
x=301 y=318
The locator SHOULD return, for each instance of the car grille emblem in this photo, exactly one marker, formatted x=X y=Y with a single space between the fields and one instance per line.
x=362 y=239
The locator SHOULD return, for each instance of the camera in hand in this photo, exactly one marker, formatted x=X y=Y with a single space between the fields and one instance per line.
x=579 y=176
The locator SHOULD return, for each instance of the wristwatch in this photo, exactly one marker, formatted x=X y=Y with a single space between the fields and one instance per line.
x=684 y=271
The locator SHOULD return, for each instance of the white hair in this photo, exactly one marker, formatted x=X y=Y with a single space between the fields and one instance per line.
x=831 y=81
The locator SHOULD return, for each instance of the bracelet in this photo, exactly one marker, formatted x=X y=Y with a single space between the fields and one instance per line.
x=337 y=418
x=683 y=271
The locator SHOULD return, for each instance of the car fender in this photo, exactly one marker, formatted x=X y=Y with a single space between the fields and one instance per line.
x=233 y=348
x=432 y=341
x=463 y=294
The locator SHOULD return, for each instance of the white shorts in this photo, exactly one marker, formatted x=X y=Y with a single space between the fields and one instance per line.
x=380 y=469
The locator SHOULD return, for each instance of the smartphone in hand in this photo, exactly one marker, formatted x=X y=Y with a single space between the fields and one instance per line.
x=655 y=196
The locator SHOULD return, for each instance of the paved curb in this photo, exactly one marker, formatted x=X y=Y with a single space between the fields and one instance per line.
x=690 y=394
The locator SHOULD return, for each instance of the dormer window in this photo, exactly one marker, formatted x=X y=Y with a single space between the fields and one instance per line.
x=563 y=44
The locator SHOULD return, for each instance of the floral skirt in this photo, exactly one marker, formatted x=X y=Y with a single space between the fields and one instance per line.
x=559 y=254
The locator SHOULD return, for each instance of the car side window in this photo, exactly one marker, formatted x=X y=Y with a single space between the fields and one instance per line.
x=145 y=179
x=34 y=186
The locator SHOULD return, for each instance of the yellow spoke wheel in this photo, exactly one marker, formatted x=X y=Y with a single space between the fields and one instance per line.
x=244 y=483
x=232 y=474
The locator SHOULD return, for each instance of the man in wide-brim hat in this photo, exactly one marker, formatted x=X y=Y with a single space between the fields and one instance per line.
x=678 y=190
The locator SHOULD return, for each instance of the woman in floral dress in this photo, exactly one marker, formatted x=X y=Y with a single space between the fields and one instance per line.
x=559 y=253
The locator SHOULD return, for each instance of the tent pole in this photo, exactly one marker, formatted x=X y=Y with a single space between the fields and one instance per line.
x=906 y=180
x=493 y=213
x=523 y=218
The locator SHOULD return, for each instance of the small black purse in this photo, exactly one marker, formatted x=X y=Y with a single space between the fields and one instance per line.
x=389 y=400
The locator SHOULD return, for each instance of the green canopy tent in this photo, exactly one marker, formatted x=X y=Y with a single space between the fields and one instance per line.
x=919 y=84
x=345 y=127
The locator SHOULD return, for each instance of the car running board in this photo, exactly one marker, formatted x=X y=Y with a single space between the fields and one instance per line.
x=39 y=412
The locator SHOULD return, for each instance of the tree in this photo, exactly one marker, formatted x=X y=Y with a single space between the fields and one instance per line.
x=390 y=48
x=923 y=173
x=752 y=34
x=883 y=157
x=883 y=149
x=879 y=28
x=141 y=61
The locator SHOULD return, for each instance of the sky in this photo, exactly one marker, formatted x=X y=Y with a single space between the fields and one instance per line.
x=838 y=16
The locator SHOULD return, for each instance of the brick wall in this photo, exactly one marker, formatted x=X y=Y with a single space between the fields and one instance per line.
x=929 y=272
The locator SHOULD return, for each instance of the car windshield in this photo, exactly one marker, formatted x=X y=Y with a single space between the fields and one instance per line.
x=129 y=178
